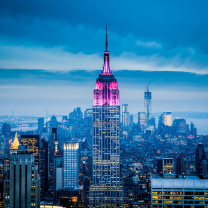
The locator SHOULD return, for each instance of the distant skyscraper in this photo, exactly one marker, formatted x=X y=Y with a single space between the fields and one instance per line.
x=106 y=189
x=53 y=122
x=40 y=125
x=76 y=122
x=125 y=115
x=179 y=126
x=6 y=130
x=71 y=165
x=22 y=181
x=147 y=105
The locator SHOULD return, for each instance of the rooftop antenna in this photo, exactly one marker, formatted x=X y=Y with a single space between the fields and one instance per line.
x=106 y=38
x=148 y=87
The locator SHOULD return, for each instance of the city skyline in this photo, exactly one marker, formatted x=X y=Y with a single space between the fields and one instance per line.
x=49 y=56
x=79 y=131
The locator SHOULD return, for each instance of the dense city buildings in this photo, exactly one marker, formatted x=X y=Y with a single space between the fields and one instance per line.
x=106 y=189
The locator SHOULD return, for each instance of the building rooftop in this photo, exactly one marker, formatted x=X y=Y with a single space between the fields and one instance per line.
x=178 y=182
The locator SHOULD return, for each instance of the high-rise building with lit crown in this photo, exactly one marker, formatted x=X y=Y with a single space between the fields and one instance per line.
x=106 y=189
x=21 y=184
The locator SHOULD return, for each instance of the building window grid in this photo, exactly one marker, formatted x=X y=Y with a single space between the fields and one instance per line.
x=199 y=196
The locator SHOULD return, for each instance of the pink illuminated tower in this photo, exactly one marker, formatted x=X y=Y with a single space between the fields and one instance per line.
x=106 y=189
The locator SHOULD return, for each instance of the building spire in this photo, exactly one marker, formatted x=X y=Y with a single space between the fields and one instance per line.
x=106 y=66
x=106 y=38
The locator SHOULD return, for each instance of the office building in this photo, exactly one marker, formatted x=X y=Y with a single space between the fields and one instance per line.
x=71 y=165
x=179 y=192
x=106 y=189
x=21 y=185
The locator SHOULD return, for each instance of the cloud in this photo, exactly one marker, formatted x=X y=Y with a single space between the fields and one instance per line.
x=20 y=57
x=148 y=44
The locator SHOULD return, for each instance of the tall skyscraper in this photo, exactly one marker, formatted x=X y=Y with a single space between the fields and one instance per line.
x=147 y=105
x=22 y=181
x=71 y=165
x=106 y=189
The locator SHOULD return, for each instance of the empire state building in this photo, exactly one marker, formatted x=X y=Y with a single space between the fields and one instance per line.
x=106 y=189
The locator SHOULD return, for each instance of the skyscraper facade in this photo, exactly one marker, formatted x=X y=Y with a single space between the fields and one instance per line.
x=106 y=189
x=71 y=165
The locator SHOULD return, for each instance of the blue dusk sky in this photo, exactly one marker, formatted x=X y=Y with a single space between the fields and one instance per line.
x=51 y=53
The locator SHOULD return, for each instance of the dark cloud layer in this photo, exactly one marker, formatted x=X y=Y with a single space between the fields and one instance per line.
x=74 y=24
x=170 y=80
